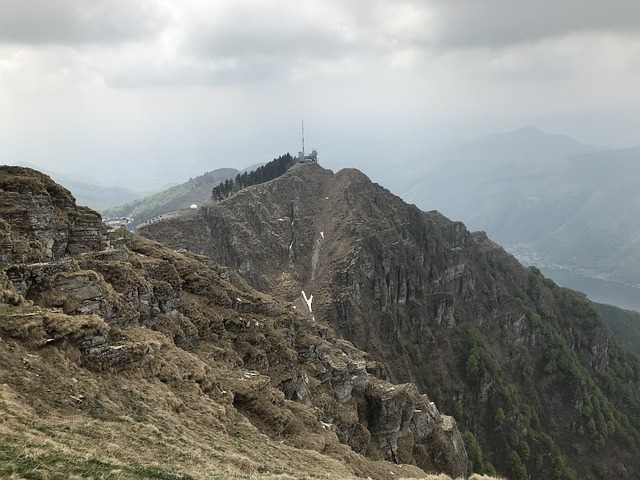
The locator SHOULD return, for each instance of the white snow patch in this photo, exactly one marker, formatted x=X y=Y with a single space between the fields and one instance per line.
x=322 y=235
x=308 y=300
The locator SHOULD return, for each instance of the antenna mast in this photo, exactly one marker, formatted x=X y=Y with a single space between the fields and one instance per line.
x=302 y=138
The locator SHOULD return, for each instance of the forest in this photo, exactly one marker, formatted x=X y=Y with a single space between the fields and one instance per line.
x=266 y=172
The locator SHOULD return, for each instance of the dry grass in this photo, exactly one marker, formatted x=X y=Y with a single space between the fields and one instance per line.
x=165 y=413
x=164 y=416
x=475 y=476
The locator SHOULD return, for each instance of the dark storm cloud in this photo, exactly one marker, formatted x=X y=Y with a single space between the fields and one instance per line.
x=498 y=23
x=70 y=22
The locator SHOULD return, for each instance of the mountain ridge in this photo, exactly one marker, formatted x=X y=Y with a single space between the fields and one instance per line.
x=507 y=351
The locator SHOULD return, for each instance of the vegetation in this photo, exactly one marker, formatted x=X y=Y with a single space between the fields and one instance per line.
x=515 y=422
x=262 y=174
x=624 y=325
x=474 y=453
x=58 y=466
x=196 y=190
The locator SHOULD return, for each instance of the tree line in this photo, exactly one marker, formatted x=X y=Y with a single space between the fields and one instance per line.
x=266 y=172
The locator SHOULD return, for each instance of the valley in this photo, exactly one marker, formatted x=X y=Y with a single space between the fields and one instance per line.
x=601 y=291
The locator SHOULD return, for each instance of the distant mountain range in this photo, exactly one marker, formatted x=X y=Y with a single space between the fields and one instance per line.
x=88 y=191
x=550 y=200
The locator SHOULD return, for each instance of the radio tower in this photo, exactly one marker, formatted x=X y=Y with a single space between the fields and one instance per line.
x=302 y=138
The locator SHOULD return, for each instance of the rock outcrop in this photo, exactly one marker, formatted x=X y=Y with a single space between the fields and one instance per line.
x=513 y=356
x=39 y=219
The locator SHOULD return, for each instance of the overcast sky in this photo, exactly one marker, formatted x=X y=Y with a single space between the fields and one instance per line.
x=130 y=86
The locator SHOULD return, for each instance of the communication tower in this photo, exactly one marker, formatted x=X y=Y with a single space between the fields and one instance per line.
x=302 y=157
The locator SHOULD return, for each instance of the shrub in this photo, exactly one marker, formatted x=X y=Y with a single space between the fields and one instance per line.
x=500 y=416
x=601 y=470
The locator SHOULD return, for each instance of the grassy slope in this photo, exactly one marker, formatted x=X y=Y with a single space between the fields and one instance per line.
x=196 y=190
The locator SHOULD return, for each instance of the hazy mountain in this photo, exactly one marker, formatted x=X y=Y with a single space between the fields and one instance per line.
x=195 y=191
x=90 y=192
x=527 y=368
x=545 y=197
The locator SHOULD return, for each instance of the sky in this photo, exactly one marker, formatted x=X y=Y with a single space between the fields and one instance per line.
x=148 y=92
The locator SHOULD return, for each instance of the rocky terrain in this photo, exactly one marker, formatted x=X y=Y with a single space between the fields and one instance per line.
x=538 y=387
x=123 y=358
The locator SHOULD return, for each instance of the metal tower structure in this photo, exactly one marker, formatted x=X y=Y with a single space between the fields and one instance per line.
x=302 y=138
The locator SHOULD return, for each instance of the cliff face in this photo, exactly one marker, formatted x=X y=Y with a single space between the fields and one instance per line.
x=106 y=327
x=525 y=366
x=39 y=219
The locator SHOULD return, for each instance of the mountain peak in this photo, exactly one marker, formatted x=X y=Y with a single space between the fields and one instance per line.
x=528 y=141
x=528 y=130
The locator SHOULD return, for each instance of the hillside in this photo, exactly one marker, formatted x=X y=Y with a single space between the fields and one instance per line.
x=545 y=197
x=122 y=358
x=624 y=325
x=195 y=191
x=538 y=387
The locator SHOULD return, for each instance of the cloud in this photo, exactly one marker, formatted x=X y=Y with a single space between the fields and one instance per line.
x=73 y=22
x=271 y=29
x=421 y=54
x=499 y=23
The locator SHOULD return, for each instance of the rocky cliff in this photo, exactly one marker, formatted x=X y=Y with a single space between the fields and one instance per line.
x=39 y=220
x=111 y=340
x=525 y=366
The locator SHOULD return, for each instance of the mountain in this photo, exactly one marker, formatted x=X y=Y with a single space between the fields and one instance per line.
x=623 y=324
x=122 y=358
x=545 y=197
x=88 y=192
x=537 y=385
x=195 y=191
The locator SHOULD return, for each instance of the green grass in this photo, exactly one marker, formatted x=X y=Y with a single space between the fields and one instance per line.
x=54 y=466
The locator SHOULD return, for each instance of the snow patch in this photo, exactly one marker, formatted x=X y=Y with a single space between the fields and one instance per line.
x=308 y=300
x=322 y=235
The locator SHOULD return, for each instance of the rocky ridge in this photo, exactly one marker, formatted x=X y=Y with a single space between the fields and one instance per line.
x=526 y=367
x=105 y=328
